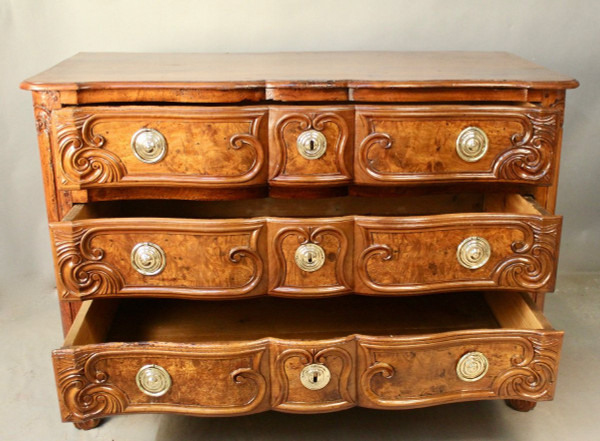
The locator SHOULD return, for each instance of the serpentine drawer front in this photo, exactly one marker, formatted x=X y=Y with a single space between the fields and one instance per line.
x=304 y=232
x=198 y=359
x=309 y=257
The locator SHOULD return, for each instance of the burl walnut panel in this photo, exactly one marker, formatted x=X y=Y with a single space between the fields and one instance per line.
x=211 y=379
x=417 y=255
x=421 y=370
x=206 y=146
x=397 y=372
x=206 y=259
x=396 y=144
x=288 y=167
x=335 y=277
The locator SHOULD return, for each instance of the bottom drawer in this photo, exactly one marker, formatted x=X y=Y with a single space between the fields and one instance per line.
x=226 y=358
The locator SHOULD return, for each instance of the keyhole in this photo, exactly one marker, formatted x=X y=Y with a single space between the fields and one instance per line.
x=315 y=377
x=312 y=144
x=310 y=258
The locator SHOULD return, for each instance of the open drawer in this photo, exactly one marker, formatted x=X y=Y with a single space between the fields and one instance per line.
x=371 y=246
x=227 y=358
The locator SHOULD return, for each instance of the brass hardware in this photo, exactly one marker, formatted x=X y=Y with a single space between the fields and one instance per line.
x=472 y=366
x=471 y=144
x=311 y=144
x=310 y=257
x=149 y=145
x=153 y=380
x=473 y=252
x=148 y=258
x=315 y=376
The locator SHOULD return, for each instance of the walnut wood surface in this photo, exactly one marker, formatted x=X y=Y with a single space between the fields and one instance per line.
x=319 y=70
x=374 y=255
x=231 y=122
x=401 y=367
x=418 y=144
x=206 y=146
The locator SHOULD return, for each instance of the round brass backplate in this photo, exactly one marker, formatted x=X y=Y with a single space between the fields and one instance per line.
x=315 y=376
x=472 y=366
x=148 y=259
x=153 y=380
x=311 y=144
x=473 y=252
x=309 y=257
x=149 y=145
x=471 y=144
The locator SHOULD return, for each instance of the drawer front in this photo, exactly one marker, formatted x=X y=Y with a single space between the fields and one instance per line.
x=310 y=257
x=460 y=366
x=313 y=377
x=456 y=252
x=310 y=146
x=193 y=379
x=456 y=144
x=160 y=257
x=399 y=372
x=98 y=147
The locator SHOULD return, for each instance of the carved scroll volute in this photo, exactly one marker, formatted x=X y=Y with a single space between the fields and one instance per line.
x=80 y=268
x=288 y=166
x=527 y=155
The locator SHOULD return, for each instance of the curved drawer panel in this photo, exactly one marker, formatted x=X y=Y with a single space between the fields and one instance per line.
x=227 y=358
x=210 y=379
x=423 y=254
x=185 y=258
x=439 y=144
x=100 y=147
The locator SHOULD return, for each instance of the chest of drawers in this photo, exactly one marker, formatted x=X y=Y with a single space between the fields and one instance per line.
x=303 y=232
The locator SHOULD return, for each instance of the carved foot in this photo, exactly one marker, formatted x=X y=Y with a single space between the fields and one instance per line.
x=89 y=424
x=521 y=405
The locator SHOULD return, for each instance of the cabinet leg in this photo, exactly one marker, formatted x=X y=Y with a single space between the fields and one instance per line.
x=89 y=424
x=521 y=405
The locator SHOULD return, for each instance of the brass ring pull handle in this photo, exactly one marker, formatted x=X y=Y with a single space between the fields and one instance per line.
x=471 y=144
x=148 y=259
x=311 y=144
x=149 y=145
x=472 y=366
x=153 y=380
x=473 y=252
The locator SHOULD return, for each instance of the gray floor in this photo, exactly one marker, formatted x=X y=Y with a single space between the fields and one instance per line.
x=29 y=329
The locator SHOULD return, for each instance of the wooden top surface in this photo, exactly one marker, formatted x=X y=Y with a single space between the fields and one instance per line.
x=297 y=69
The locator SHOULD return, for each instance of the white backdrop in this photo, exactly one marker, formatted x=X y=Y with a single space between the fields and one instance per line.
x=35 y=34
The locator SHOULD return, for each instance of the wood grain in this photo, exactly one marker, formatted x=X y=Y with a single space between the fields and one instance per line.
x=399 y=367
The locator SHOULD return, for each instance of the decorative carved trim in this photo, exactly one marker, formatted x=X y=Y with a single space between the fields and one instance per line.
x=81 y=271
x=531 y=266
x=531 y=376
x=306 y=357
x=85 y=162
x=87 y=391
x=529 y=157
x=306 y=235
x=310 y=121
x=83 y=274
x=533 y=372
x=49 y=99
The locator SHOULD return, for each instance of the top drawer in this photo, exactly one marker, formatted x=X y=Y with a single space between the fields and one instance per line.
x=438 y=144
x=229 y=147
x=154 y=146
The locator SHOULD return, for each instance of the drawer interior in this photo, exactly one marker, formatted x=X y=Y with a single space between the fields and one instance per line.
x=185 y=321
x=327 y=207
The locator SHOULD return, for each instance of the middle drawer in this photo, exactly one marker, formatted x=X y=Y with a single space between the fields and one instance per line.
x=221 y=250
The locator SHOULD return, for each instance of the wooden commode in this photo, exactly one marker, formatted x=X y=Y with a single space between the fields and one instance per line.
x=303 y=232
